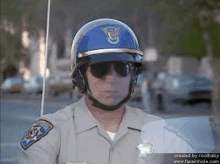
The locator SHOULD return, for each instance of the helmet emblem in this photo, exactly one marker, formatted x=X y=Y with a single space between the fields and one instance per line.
x=112 y=34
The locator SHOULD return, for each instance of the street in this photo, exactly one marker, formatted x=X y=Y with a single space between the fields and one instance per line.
x=17 y=113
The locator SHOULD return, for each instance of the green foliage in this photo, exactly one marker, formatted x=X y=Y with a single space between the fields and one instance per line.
x=14 y=11
x=10 y=71
x=11 y=11
x=180 y=30
x=191 y=41
x=33 y=10
x=214 y=31
x=11 y=51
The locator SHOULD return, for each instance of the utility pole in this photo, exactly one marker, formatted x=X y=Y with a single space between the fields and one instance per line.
x=150 y=58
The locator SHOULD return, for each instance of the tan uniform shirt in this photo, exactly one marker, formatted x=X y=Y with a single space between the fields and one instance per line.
x=75 y=136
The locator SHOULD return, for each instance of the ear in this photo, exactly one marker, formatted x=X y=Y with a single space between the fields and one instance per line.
x=78 y=79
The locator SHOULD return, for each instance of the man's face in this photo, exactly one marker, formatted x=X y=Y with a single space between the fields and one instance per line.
x=110 y=89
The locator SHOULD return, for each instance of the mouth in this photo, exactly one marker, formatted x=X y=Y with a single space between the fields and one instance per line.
x=111 y=91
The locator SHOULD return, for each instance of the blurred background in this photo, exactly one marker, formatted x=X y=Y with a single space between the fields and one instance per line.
x=181 y=65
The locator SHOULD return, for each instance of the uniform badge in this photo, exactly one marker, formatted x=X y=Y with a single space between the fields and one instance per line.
x=146 y=150
x=112 y=34
x=37 y=130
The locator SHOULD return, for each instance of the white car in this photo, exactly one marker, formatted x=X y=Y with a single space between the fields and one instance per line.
x=13 y=84
x=34 y=85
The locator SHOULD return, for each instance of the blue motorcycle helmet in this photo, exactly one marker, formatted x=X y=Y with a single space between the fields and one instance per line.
x=104 y=40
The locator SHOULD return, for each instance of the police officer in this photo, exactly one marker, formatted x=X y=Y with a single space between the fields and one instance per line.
x=100 y=128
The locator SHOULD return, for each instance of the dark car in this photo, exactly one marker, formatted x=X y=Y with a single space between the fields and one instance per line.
x=188 y=88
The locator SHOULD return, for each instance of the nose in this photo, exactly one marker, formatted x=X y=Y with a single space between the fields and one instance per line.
x=111 y=76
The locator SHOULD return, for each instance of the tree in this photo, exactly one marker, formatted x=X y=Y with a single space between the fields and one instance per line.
x=211 y=34
x=13 y=12
x=11 y=53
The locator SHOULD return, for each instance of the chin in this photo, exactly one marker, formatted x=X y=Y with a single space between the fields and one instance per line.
x=111 y=102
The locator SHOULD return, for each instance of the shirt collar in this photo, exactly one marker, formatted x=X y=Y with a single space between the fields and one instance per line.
x=85 y=120
x=132 y=118
x=83 y=117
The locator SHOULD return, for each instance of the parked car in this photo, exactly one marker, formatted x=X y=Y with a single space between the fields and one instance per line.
x=12 y=85
x=159 y=80
x=157 y=84
x=34 y=85
x=187 y=88
x=60 y=84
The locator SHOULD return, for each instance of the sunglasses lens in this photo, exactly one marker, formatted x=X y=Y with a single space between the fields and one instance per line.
x=100 y=69
x=122 y=69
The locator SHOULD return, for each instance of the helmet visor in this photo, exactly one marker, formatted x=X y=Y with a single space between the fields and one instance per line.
x=113 y=57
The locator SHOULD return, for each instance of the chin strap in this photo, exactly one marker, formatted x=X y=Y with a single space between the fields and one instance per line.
x=98 y=104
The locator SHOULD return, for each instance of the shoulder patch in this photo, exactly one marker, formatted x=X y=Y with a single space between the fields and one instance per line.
x=36 y=131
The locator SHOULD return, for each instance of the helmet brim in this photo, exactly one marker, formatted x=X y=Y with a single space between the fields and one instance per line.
x=114 y=57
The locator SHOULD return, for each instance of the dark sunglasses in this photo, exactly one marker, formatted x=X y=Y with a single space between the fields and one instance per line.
x=99 y=70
